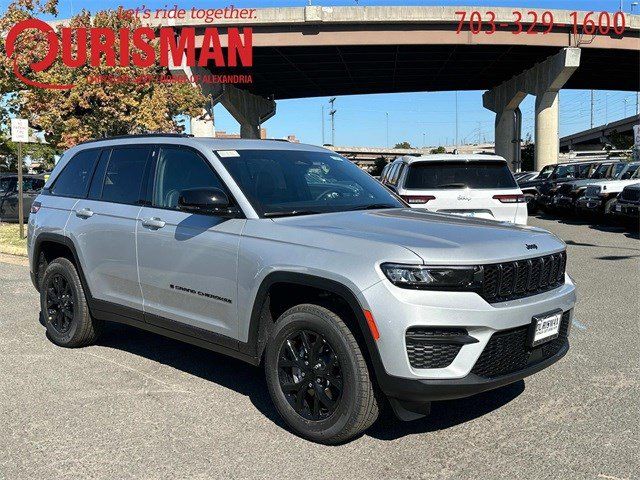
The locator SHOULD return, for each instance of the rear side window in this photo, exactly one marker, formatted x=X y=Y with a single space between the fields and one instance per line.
x=73 y=181
x=452 y=175
x=123 y=175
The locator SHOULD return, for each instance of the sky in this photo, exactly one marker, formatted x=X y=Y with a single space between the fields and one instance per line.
x=422 y=119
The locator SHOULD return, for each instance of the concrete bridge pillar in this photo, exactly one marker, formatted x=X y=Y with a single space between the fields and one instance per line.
x=544 y=80
x=547 y=144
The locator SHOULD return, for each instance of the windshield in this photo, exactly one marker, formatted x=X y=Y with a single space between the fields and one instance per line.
x=432 y=175
x=545 y=172
x=564 y=171
x=6 y=184
x=631 y=172
x=294 y=182
x=601 y=171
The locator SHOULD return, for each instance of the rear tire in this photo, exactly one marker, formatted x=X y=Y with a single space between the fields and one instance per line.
x=330 y=399
x=64 y=307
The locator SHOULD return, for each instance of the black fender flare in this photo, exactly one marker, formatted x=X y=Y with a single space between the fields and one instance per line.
x=255 y=343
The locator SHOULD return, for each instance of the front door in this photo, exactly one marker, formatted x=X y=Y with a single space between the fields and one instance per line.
x=187 y=262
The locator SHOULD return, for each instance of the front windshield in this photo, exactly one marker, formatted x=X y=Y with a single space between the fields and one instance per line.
x=601 y=171
x=296 y=182
x=564 y=171
x=545 y=172
x=5 y=184
x=631 y=172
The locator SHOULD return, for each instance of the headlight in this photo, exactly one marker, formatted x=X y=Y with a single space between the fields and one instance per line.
x=433 y=278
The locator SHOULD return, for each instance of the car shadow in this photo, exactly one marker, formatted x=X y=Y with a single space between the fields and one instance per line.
x=249 y=380
x=446 y=414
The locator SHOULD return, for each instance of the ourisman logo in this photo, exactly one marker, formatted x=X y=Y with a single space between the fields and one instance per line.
x=103 y=44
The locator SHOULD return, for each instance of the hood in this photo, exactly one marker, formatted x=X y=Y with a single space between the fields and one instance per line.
x=436 y=238
x=614 y=185
x=582 y=183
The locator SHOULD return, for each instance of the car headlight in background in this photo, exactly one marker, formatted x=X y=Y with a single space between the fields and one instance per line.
x=433 y=278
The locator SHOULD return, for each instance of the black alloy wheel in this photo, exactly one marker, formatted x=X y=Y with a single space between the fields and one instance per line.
x=60 y=301
x=310 y=375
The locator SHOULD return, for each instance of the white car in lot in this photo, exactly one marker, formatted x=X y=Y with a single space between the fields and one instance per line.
x=480 y=186
x=601 y=197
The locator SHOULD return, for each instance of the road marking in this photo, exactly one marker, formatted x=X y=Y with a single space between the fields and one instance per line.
x=578 y=325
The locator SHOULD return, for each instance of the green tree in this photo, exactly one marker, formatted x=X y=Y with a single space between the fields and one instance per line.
x=378 y=165
x=440 y=149
x=403 y=145
x=93 y=109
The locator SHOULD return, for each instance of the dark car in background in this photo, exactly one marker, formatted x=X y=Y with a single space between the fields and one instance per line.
x=628 y=204
x=538 y=191
x=565 y=196
x=31 y=186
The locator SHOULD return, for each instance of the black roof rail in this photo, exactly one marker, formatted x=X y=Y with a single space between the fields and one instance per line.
x=138 y=135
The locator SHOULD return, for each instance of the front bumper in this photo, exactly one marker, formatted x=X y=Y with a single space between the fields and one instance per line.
x=397 y=310
x=563 y=201
x=626 y=209
x=590 y=204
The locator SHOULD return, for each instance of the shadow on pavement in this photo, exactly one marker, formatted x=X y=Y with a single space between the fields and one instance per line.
x=249 y=380
x=446 y=414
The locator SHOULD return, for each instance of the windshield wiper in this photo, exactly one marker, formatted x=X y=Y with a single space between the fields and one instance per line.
x=290 y=213
x=375 y=206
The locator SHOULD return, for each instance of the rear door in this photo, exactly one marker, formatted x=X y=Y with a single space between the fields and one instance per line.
x=475 y=188
x=103 y=225
x=187 y=262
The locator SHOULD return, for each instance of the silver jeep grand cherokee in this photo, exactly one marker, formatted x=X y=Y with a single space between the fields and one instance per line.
x=291 y=257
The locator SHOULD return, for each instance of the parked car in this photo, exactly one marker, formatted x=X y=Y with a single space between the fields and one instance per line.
x=567 y=194
x=31 y=186
x=600 y=197
x=525 y=176
x=537 y=191
x=478 y=186
x=627 y=205
x=342 y=295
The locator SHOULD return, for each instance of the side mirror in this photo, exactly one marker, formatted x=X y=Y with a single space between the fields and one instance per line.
x=212 y=201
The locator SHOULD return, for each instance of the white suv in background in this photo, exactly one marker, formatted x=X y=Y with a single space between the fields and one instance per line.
x=480 y=186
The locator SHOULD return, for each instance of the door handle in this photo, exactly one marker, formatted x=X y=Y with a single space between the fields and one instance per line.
x=154 y=223
x=84 y=213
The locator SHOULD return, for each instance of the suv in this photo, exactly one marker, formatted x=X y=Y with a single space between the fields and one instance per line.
x=478 y=186
x=291 y=257
x=31 y=186
x=600 y=197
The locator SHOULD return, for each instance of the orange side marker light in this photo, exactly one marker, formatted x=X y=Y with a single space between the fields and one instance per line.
x=372 y=325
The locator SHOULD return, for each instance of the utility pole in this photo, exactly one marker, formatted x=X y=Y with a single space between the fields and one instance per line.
x=332 y=112
x=606 y=108
x=456 y=119
x=322 y=124
x=387 y=118
x=591 y=108
x=637 y=103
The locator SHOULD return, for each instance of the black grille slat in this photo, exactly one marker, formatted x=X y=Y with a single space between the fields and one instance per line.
x=507 y=351
x=630 y=194
x=522 y=278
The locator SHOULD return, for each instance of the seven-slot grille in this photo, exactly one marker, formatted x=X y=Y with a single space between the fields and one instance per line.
x=523 y=278
x=508 y=351
x=630 y=194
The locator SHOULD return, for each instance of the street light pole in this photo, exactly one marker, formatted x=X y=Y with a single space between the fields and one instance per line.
x=332 y=112
x=456 y=119
x=387 y=118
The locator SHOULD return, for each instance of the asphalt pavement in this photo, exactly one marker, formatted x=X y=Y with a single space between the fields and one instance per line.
x=138 y=405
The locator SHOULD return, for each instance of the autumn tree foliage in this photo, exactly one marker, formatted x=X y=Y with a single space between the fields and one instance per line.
x=102 y=102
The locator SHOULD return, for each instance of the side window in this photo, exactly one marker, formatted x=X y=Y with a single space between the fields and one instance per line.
x=391 y=174
x=583 y=170
x=400 y=171
x=30 y=185
x=123 y=176
x=396 y=173
x=73 y=181
x=180 y=169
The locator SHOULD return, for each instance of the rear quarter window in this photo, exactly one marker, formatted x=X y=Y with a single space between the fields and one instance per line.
x=459 y=174
x=74 y=179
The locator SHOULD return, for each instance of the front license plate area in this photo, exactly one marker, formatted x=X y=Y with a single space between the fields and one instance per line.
x=544 y=328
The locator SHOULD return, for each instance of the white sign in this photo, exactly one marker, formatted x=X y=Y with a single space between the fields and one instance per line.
x=19 y=130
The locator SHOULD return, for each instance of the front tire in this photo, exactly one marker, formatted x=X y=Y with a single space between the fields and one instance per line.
x=317 y=376
x=64 y=307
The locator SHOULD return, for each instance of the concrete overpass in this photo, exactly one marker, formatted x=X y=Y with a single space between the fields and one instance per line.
x=599 y=136
x=326 y=51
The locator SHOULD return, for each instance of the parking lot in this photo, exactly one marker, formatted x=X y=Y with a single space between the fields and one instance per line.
x=142 y=406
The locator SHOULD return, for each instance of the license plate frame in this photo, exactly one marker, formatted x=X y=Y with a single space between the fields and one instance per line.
x=544 y=328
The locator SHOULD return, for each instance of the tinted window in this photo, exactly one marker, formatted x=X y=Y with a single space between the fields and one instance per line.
x=447 y=175
x=7 y=184
x=123 y=177
x=73 y=181
x=281 y=181
x=565 y=171
x=631 y=172
x=545 y=172
x=31 y=184
x=583 y=170
x=617 y=169
x=601 y=170
x=179 y=169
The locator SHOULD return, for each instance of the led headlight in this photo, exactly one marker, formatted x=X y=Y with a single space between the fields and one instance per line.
x=433 y=278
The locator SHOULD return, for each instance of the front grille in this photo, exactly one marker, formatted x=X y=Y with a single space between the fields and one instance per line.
x=592 y=191
x=630 y=194
x=426 y=349
x=508 y=352
x=511 y=280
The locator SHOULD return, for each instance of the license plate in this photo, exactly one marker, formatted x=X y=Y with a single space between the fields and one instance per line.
x=618 y=208
x=545 y=328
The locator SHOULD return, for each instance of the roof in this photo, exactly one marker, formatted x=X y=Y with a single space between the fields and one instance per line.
x=450 y=157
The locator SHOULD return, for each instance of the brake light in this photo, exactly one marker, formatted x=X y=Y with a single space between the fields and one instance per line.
x=35 y=207
x=417 y=199
x=519 y=198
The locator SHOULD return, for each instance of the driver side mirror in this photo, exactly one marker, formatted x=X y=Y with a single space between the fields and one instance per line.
x=211 y=201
